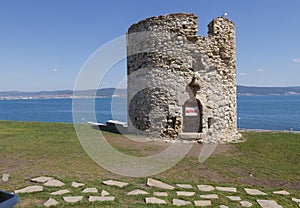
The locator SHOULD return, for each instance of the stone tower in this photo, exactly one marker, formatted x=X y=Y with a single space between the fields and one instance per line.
x=182 y=85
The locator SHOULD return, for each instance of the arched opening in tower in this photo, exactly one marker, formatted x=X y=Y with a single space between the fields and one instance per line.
x=192 y=116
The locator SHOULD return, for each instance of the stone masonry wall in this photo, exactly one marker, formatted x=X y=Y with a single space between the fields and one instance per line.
x=169 y=64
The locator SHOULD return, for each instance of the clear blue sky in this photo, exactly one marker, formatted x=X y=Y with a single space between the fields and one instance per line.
x=44 y=43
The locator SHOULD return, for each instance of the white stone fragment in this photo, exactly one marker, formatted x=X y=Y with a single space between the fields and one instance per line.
x=185 y=193
x=54 y=183
x=209 y=196
x=245 y=204
x=254 y=192
x=223 y=206
x=60 y=192
x=268 y=204
x=296 y=200
x=226 y=189
x=154 y=200
x=72 y=199
x=90 y=190
x=160 y=194
x=202 y=203
x=283 y=192
x=76 y=184
x=185 y=186
x=206 y=187
x=41 y=179
x=29 y=189
x=101 y=198
x=180 y=202
x=5 y=177
x=159 y=184
x=104 y=193
x=137 y=192
x=115 y=183
x=51 y=202
x=234 y=198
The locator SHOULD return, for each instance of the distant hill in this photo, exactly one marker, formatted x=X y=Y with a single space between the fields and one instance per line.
x=247 y=90
x=108 y=92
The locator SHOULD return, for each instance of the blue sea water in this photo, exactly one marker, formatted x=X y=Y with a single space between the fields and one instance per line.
x=254 y=112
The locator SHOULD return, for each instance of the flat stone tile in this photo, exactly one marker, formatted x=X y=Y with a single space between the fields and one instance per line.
x=160 y=193
x=206 y=187
x=101 y=198
x=104 y=193
x=202 y=203
x=159 y=184
x=180 y=202
x=223 y=206
x=41 y=179
x=234 y=198
x=5 y=177
x=268 y=204
x=119 y=184
x=154 y=200
x=185 y=193
x=90 y=190
x=137 y=192
x=245 y=204
x=76 y=184
x=60 y=192
x=209 y=196
x=51 y=203
x=226 y=189
x=255 y=192
x=72 y=199
x=54 y=183
x=296 y=200
x=185 y=186
x=283 y=192
x=29 y=189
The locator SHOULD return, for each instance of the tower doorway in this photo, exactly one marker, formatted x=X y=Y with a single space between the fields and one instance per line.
x=192 y=116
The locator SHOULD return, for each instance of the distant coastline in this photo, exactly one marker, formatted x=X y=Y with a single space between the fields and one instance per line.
x=113 y=92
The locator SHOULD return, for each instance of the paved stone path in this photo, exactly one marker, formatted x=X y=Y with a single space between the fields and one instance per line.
x=202 y=195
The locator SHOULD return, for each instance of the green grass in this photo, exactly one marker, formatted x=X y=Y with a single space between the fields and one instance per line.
x=31 y=149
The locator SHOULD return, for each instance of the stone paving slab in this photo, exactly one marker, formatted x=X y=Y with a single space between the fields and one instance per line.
x=180 y=202
x=51 y=203
x=90 y=190
x=268 y=204
x=104 y=193
x=160 y=193
x=209 y=196
x=245 y=204
x=185 y=186
x=283 y=192
x=76 y=184
x=101 y=198
x=5 y=177
x=60 y=192
x=296 y=200
x=234 y=198
x=223 y=206
x=154 y=200
x=119 y=184
x=159 y=184
x=202 y=203
x=226 y=189
x=137 y=192
x=185 y=193
x=41 y=179
x=54 y=183
x=255 y=192
x=206 y=187
x=29 y=189
x=72 y=199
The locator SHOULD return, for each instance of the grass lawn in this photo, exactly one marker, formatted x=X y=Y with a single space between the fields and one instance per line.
x=268 y=161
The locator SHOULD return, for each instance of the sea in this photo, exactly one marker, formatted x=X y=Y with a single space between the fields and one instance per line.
x=253 y=112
